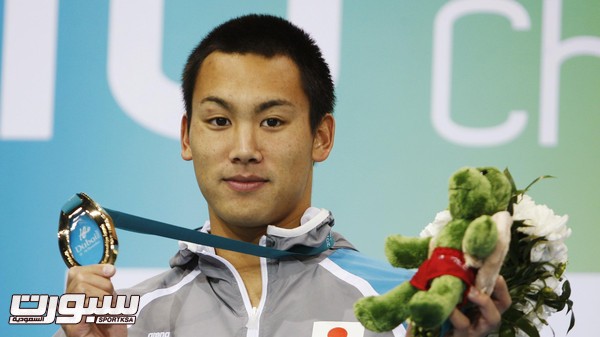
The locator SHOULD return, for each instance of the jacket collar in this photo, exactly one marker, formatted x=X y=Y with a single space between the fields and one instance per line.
x=315 y=227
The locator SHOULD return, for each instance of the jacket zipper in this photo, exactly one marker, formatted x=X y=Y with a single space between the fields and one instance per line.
x=254 y=313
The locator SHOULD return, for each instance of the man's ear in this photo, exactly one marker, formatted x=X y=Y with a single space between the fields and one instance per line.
x=186 y=151
x=323 y=139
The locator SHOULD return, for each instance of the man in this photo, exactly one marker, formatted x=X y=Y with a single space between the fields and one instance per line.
x=259 y=101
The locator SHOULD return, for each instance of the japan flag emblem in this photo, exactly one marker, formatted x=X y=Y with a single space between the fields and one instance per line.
x=338 y=329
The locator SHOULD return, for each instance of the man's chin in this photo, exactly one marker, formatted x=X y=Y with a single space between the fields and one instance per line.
x=248 y=220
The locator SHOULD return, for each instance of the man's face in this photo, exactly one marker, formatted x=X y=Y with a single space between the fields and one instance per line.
x=250 y=140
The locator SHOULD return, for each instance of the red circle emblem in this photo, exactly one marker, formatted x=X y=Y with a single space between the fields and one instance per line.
x=337 y=332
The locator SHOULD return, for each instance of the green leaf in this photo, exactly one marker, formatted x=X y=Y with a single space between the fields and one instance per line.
x=572 y=322
x=506 y=330
x=514 y=193
x=512 y=315
x=527 y=327
x=570 y=310
x=535 y=181
x=566 y=291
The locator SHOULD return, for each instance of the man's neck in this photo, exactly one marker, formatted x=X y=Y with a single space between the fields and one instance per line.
x=246 y=234
x=252 y=234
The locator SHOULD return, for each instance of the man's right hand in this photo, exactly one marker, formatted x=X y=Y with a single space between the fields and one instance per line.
x=93 y=281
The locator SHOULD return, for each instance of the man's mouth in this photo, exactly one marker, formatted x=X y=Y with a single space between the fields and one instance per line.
x=245 y=183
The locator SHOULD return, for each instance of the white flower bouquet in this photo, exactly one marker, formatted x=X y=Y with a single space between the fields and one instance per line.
x=534 y=266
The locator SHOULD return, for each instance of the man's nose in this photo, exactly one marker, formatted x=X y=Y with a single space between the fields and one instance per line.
x=245 y=147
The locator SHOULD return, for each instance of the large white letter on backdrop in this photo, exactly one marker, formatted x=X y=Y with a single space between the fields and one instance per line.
x=135 y=57
x=324 y=25
x=554 y=53
x=28 y=69
x=135 y=74
x=442 y=74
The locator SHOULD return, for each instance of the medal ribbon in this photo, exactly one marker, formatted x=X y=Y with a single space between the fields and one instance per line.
x=133 y=223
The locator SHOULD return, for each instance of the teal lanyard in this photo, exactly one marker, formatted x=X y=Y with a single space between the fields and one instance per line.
x=138 y=224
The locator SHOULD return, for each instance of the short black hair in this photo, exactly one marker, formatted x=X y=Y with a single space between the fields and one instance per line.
x=268 y=36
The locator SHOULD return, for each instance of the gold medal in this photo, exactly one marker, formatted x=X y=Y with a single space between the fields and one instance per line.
x=86 y=233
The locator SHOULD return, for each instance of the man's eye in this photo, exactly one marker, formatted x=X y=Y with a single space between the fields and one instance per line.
x=271 y=122
x=219 y=121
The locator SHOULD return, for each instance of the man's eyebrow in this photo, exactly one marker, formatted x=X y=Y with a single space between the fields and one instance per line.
x=259 y=108
x=216 y=100
x=272 y=103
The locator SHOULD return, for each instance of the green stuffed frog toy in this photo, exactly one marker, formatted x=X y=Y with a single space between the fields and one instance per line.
x=469 y=250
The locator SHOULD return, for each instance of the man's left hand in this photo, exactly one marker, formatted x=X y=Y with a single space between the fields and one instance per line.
x=487 y=317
